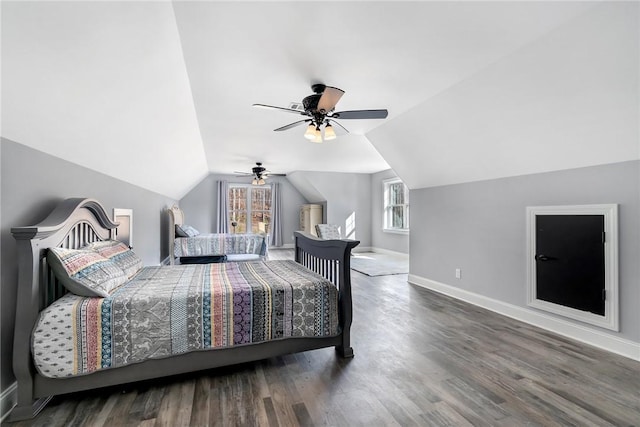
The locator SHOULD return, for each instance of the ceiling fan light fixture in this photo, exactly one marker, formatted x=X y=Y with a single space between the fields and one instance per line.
x=329 y=133
x=254 y=182
x=310 y=133
x=317 y=135
x=261 y=181
x=320 y=107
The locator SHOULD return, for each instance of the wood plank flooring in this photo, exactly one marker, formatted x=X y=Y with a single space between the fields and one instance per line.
x=421 y=359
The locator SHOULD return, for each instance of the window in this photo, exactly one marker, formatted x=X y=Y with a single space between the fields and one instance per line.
x=250 y=208
x=396 y=206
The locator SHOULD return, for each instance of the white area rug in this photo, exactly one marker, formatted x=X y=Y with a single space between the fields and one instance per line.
x=377 y=264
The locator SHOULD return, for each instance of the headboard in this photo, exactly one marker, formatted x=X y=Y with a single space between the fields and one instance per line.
x=176 y=217
x=72 y=224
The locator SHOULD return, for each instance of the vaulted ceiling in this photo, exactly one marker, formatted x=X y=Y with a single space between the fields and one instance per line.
x=159 y=94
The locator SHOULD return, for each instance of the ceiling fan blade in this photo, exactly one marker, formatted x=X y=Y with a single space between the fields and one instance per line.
x=292 y=125
x=243 y=173
x=329 y=98
x=272 y=107
x=361 y=114
x=333 y=122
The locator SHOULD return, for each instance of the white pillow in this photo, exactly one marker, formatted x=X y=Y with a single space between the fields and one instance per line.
x=186 y=231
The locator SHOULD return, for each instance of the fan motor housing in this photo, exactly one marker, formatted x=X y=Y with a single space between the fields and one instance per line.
x=310 y=103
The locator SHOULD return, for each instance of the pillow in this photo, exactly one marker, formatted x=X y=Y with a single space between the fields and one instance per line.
x=119 y=253
x=186 y=231
x=85 y=273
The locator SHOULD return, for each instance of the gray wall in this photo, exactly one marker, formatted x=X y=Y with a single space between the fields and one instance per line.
x=480 y=228
x=199 y=205
x=379 y=239
x=347 y=197
x=32 y=183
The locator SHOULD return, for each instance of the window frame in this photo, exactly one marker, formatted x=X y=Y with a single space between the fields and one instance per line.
x=249 y=208
x=387 y=207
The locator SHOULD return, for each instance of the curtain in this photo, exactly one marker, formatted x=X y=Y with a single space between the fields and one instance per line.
x=222 y=225
x=276 y=222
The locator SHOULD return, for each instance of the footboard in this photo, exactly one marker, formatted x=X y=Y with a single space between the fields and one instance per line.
x=331 y=260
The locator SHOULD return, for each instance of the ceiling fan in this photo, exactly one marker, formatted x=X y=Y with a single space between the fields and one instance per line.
x=319 y=108
x=259 y=174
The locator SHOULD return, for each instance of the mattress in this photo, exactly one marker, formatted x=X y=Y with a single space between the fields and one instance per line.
x=169 y=310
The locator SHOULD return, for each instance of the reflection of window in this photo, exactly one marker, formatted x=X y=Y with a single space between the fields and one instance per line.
x=250 y=208
x=396 y=206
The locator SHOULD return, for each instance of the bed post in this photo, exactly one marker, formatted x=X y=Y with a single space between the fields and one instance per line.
x=27 y=309
x=325 y=257
x=33 y=284
x=176 y=217
x=346 y=304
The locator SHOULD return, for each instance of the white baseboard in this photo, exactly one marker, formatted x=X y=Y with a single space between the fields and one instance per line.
x=388 y=252
x=359 y=249
x=8 y=400
x=562 y=327
x=284 y=246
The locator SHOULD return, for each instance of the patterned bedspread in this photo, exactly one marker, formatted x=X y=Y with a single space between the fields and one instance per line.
x=169 y=310
x=219 y=244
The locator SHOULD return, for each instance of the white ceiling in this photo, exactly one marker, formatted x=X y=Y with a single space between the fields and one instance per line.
x=159 y=94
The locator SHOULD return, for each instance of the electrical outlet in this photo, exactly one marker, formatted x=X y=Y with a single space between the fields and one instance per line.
x=458 y=273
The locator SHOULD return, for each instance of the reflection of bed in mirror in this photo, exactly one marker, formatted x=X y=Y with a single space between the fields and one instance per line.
x=286 y=294
x=190 y=246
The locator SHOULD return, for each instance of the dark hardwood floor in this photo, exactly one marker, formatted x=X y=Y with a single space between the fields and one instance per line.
x=421 y=359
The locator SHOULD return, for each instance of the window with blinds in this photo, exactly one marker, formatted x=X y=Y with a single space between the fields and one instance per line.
x=396 y=206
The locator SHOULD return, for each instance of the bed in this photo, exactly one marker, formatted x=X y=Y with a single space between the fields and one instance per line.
x=191 y=247
x=78 y=222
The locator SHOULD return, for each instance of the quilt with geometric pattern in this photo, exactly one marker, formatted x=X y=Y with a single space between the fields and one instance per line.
x=168 y=310
x=220 y=244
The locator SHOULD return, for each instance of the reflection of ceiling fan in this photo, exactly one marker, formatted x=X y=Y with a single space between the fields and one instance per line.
x=259 y=174
x=320 y=107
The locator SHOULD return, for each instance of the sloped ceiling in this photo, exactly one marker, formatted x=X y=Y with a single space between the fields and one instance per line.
x=104 y=85
x=569 y=99
x=159 y=94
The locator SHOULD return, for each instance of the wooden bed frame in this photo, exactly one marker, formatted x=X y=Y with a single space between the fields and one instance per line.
x=78 y=221
x=176 y=217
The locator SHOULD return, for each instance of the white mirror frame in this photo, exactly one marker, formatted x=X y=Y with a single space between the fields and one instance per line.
x=610 y=213
x=117 y=212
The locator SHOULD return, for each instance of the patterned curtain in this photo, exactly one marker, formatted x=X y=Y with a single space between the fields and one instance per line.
x=222 y=224
x=276 y=222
